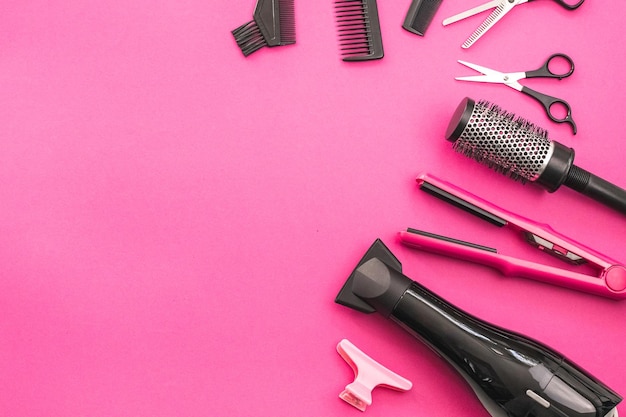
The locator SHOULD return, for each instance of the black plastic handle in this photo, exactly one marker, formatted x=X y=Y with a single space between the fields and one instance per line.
x=545 y=72
x=568 y=5
x=597 y=188
x=548 y=102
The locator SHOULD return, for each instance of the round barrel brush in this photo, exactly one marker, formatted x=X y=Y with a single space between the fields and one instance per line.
x=515 y=147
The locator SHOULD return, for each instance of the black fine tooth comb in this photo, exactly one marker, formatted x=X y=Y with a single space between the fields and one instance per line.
x=359 y=30
x=420 y=15
x=273 y=24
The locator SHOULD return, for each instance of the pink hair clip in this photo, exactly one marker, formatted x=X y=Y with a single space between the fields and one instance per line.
x=368 y=375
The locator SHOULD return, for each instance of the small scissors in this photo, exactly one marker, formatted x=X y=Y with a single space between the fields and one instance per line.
x=502 y=7
x=511 y=80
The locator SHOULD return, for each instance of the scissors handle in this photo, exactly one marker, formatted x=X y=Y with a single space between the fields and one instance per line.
x=569 y=5
x=548 y=102
x=545 y=71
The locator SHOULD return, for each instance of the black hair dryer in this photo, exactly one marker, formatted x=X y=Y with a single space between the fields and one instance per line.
x=512 y=375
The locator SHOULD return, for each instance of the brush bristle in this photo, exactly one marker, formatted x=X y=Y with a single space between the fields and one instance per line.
x=519 y=121
x=273 y=21
x=505 y=143
x=359 y=30
x=249 y=38
x=287 y=20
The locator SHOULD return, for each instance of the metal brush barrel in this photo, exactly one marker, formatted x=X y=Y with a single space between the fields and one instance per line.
x=509 y=145
x=517 y=148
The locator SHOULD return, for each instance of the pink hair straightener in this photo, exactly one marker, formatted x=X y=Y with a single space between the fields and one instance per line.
x=610 y=280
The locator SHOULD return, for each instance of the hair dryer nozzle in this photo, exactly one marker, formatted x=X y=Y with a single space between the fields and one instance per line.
x=354 y=292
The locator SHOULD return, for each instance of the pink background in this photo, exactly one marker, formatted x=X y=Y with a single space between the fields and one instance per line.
x=177 y=219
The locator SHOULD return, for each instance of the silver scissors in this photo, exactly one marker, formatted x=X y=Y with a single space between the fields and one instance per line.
x=502 y=7
x=512 y=80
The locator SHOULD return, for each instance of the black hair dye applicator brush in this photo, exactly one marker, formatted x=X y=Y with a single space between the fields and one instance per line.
x=517 y=148
x=273 y=24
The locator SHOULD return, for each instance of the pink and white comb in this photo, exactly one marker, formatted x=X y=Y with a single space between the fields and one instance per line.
x=368 y=375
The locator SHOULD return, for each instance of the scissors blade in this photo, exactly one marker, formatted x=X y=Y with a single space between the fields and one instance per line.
x=471 y=12
x=502 y=9
x=489 y=74
x=480 y=79
x=510 y=79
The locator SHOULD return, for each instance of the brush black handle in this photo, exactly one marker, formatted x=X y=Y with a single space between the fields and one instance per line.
x=595 y=187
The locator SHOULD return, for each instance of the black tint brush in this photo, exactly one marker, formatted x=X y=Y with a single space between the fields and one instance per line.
x=359 y=30
x=273 y=24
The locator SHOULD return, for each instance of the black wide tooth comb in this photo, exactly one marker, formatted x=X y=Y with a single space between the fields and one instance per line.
x=273 y=24
x=359 y=30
